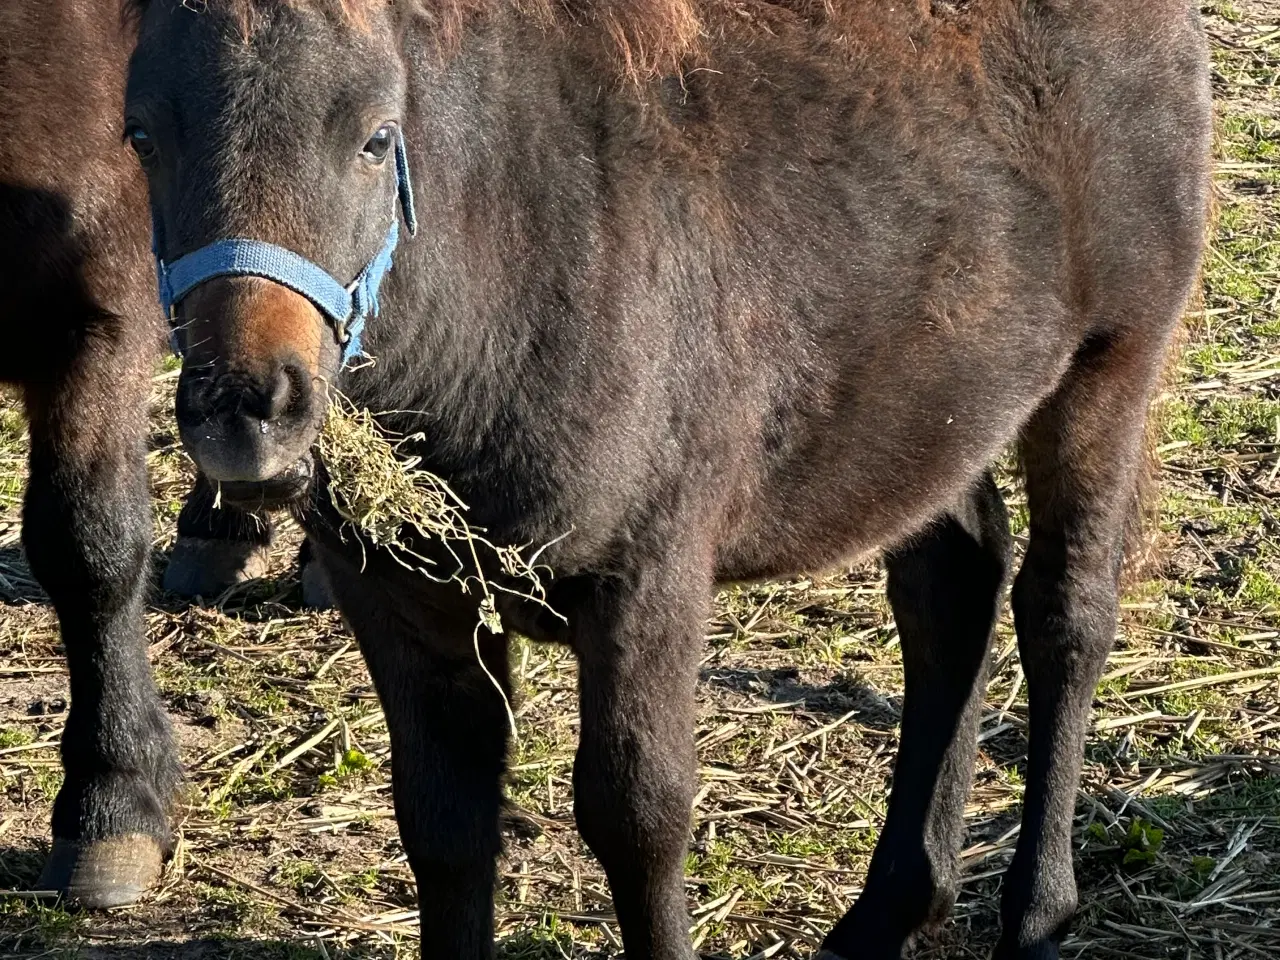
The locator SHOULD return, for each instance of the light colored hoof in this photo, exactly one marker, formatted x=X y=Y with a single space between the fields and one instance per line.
x=114 y=872
x=205 y=568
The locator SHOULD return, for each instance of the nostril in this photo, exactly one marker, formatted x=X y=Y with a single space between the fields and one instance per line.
x=281 y=396
x=263 y=398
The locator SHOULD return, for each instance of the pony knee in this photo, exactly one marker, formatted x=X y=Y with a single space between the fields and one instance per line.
x=621 y=817
x=87 y=547
x=1065 y=618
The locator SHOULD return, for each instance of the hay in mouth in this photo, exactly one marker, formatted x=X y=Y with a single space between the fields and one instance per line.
x=389 y=501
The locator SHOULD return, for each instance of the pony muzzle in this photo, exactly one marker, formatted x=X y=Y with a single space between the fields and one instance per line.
x=251 y=396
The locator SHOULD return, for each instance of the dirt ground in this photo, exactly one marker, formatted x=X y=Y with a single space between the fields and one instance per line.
x=287 y=845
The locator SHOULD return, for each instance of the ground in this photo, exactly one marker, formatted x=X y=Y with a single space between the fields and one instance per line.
x=287 y=845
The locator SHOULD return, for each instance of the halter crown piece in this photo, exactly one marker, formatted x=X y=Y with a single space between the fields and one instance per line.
x=345 y=306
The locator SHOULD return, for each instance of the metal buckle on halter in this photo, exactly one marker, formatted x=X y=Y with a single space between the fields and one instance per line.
x=340 y=326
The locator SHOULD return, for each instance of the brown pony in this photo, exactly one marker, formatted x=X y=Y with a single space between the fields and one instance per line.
x=721 y=291
x=82 y=336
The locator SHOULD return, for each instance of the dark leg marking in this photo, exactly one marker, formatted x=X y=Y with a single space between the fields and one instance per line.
x=945 y=586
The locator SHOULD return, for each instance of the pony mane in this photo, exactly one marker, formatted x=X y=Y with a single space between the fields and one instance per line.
x=646 y=37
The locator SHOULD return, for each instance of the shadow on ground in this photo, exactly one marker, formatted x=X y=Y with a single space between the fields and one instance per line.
x=785 y=686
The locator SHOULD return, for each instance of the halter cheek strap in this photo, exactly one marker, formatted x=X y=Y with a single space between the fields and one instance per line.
x=345 y=306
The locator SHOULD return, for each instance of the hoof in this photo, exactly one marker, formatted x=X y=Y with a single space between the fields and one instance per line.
x=113 y=872
x=316 y=592
x=205 y=568
x=827 y=955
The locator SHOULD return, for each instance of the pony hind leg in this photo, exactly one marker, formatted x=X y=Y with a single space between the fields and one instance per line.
x=945 y=586
x=1084 y=455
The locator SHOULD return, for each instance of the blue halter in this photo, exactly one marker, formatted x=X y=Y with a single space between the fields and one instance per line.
x=346 y=306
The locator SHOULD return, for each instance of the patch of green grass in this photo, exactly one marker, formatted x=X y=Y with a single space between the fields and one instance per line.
x=1195 y=668
x=301 y=876
x=1181 y=423
x=1261 y=70
x=233 y=909
x=1258 y=587
x=1206 y=358
x=261 y=698
x=1244 y=258
x=847 y=848
x=365 y=882
x=542 y=751
x=352 y=767
x=1185 y=877
x=1203 y=866
x=1256 y=796
x=1222 y=8
x=1168 y=808
x=352 y=763
x=13 y=453
x=715 y=857
x=1112 y=687
x=1224 y=423
x=177 y=678
x=1183 y=703
x=261 y=788
x=1235 y=519
x=46 y=780
x=48 y=923
x=1233 y=420
x=1141 y=843
x=550 y=939
x=15 y=737
x=720 y=870
x=1012 y=776
x=1250 y=138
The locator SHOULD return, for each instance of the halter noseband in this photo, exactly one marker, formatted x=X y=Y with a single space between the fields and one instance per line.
x=345 y=306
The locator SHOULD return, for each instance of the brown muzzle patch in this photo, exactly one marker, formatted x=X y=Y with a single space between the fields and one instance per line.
x=248 y=323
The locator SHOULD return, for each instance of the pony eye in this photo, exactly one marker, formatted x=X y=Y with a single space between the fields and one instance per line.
x=379 y=144
x=138 y=138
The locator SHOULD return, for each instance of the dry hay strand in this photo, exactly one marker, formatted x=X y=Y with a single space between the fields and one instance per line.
x=388 y=500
